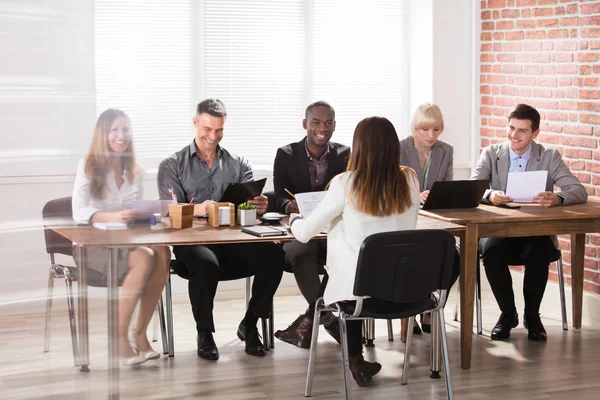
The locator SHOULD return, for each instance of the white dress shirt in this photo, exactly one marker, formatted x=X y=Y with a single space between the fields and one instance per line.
x=84 y=205
x=347 y=229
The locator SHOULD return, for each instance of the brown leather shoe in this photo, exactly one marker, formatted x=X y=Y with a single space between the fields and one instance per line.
x=362 y=371
x=298 y=333
x=333 y=328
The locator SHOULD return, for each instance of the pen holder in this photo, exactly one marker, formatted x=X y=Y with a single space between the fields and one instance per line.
x=220 y=214
x=181 y=215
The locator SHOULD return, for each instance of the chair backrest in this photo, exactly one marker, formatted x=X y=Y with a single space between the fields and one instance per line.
x=272 y=206
x=405 y=266
x=57 y=208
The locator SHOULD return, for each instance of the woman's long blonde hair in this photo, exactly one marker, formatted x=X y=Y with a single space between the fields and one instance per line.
x=98 y=159
x=379 y=184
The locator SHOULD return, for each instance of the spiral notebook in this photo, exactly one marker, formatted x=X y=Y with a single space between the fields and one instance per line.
x=264 y=230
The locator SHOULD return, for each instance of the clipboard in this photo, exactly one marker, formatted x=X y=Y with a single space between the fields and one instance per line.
x=238 y=193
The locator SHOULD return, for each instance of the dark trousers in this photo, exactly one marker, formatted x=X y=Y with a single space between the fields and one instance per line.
x=535 y=253
x=207 y=264
x=306 y=261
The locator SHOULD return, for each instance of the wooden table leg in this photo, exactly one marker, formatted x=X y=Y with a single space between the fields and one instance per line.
x=468 y=261
x=403 y=329
x=577 y=262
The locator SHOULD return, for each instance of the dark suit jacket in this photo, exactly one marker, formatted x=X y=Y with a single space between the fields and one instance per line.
x=290 y=170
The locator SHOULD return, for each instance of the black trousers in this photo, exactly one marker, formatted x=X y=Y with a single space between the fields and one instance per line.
x=306 y=261
x=207 y=264
x=535 y=253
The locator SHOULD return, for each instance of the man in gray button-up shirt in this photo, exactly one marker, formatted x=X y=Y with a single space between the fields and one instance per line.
x=202 y=171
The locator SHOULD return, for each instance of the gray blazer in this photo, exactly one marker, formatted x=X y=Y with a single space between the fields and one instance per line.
x=442 y=160
x=495 y=160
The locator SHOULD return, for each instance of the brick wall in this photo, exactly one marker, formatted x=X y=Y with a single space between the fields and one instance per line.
x=546 y=53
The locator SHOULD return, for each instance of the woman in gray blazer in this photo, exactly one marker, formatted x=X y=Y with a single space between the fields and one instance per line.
x=431 y=159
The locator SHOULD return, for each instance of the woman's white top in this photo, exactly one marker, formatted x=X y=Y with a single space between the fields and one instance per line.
x=347 y=229
x=84 y=205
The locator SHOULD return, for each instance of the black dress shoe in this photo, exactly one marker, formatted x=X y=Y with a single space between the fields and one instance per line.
x=536 y=329
x=250 y=336
x=207 y=348
x=333 y=328
x=504 y=325
x=362 y=371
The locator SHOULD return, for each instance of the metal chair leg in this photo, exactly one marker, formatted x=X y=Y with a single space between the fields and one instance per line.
x=72 y=319
x=163 y=329
x=51 y=274
x=478 y=299
x=390 y=327
x=406 y=366
x=435 y=346
x=345 y=355
x=265 y=332
x=457 y=305
x=271 y=328
x=370 y=332
x=170 y=317
x=442 y=328
x=155 y=320
x=313 y=350
x=561 y=288
x=248 y=290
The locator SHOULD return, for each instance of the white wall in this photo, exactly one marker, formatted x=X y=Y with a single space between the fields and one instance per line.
x=444 y=48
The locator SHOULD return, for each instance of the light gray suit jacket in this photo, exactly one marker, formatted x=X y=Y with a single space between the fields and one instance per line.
x=442 y=160
x=495 y=160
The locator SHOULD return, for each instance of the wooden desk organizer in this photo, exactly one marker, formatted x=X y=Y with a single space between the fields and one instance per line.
x=181 y=215
x=213 y=214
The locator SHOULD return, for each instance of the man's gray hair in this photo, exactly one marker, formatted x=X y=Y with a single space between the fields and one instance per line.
x=214 y=107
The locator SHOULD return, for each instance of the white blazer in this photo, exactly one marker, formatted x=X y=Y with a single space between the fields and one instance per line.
x=347 y=229
x=84 y=205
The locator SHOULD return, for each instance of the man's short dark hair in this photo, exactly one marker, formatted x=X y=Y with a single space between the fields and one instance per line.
x=319 y=104
x=524 y=111
x=214 y=107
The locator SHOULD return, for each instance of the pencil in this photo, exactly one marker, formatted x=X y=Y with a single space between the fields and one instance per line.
x=290 y=193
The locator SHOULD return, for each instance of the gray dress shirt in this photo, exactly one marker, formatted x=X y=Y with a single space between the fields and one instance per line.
x=189 y=176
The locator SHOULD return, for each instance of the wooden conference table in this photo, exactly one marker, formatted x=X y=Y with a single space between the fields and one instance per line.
x=529 y=220
x=199 y=233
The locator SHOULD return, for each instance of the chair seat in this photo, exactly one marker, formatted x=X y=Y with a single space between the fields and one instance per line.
x=377 y=308
x=95 y=278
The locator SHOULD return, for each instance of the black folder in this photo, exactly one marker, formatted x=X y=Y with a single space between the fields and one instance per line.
x=238 y=193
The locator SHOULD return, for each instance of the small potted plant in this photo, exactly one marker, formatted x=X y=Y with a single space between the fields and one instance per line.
x=246 y=214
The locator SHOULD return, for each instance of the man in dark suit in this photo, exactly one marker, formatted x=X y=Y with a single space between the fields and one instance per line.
x=518 y=154
x=308 y=166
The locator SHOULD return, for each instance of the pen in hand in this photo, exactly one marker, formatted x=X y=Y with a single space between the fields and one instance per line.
x=290 y=193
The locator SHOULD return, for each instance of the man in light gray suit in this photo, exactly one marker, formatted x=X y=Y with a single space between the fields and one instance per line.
x=521 y=153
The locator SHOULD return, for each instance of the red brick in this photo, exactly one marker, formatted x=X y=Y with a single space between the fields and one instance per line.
x=593 y=8
x=571 y=93
x=574 y=33
x=542 y=12
x=526 y=24
x=546 y=81
x=556 y=116
x=559 y=11
x=548 y=46
x=486 y=47
x=573 y=117
x=577 y=165
x=486 y=15
x=523 y=3
x=586 y=154
x=496 y=79
x=584 y=130
x=484 y=89
x=509 y=91
x=539 y=34
x=597 y=69
x=568 y=105
x=594 y=20
x=525 y=80
x=591 y=106
x=588 y=142
x=510 y=80
x=512 y=46
x=587 y=57
x=542 y=92
x=505 y=101
x=562 y=57
x=487 y=57
x=504 y=57
x=546 y=2
x=514 y=14
x=485 y=36
x=505 y=25
x=515 y=35
x=549 y=70
x=497 y=47
x=498 y=36
x=487 y=100
x=499 y=111
x=550 y=139
x=589 y=94
x=526 y=13
x=495 y=14
x=589 y=118
x=565 y=46
x=558 y=93
x=512 y=69
x=556 y=128
x=594 y=44
x=572 y=9
x=590 y=81
x=533 y=70
x=546 y=104
x=485 y=143
x=569 y=21
x=522 y=58
x=487 y=132
x=485 y=110
x=501 y=122
x=495 y=90
x=558 y=34
x=533 y=46
x=566 y=69
x=547 y=23
x=496 y=3
x=487 y=26
x=485 y=68
x=590 y=32
x=585 y=70
x=583 y=177
x=510 y=3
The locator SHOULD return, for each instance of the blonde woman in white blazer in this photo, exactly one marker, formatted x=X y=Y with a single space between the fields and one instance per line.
x=374 y=195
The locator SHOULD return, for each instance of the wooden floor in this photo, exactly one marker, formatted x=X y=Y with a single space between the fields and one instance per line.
x=566 y=367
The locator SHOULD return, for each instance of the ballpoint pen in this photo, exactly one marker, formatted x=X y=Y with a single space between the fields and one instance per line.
x=290 y=193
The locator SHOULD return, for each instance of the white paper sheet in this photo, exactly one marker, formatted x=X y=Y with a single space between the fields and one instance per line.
x=307 y=202
x=523 y=186
x=110 y=226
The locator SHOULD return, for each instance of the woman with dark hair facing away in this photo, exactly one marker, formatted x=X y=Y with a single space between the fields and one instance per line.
x=107 y=182
x=374 y=195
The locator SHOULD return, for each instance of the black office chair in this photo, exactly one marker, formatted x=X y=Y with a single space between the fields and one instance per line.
x=399 y=275
x=179 y=269
x=56 y=244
